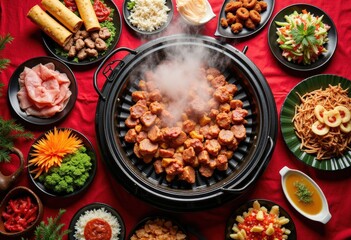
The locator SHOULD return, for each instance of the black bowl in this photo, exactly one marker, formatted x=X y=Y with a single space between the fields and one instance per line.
x=126 y=14
x=142 y=222
x=264 y=203
x=330 y=45
x=14 y=87
x=51 y=197
x=96 y=206
x=51 y=45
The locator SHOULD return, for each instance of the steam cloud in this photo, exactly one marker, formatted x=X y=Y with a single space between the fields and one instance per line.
x=182 y=80
x=179 y=75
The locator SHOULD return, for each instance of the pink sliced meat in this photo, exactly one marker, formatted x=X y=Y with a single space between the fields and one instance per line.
x=47 y=72
x=43 y=93
x=23 y=98
x=43 y=90
x=47 y=112
x=62 y=78
x=44 y=112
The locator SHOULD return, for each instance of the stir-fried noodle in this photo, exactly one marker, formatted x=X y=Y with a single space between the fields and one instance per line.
x=335 y=142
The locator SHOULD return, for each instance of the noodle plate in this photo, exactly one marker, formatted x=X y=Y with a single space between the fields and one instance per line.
x=335 y=142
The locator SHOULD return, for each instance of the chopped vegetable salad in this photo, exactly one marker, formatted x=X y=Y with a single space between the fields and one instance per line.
x=302 y=37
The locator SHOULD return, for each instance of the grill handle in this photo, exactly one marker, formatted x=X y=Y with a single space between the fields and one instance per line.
x=108 y=71
x=245 y=49
x=242 y=189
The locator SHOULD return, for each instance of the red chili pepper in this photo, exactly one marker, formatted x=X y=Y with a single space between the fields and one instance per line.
x=19 y=214
x=6 y=215
x=14 y=206
x=31 y=212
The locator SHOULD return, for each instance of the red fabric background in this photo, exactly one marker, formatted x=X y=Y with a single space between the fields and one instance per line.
x=211 y=223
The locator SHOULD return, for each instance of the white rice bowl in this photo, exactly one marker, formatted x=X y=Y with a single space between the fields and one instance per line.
x=94 y=214
x=149 y=15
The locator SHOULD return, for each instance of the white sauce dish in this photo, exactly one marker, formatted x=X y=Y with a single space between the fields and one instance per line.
x=195 y=12
x=304 y=195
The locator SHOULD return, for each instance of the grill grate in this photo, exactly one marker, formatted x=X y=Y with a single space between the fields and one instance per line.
x=248 y=161
x=236 y=164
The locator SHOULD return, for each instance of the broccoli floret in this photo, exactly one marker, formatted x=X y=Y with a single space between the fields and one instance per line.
x=42 y=177
x=61 y=186
x=80 y=181
x=71 y=175
x=52 y=180
x=53 y=170
x=64 y=170
x=77 y=172
x=68 y=179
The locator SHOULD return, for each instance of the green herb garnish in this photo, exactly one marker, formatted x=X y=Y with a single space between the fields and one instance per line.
x=304 y=36
x=302 y=192
x=130 y=5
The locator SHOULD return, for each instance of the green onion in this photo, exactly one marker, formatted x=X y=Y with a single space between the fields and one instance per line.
x=303 y=193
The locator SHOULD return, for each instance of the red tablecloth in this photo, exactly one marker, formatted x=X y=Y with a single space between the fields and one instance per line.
x=27 y=44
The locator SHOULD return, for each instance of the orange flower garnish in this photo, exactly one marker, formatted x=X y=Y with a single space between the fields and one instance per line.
x=51 y=149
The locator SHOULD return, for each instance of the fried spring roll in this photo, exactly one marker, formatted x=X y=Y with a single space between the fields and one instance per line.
x=49 y=25
x=87 y=13
x=63 y=14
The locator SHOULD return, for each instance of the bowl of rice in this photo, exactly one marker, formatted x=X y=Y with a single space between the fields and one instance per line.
x=97 y=221
x=148 y=17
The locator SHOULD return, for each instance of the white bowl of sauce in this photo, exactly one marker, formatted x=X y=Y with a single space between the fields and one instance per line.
x=195 y=12
x=304 y=195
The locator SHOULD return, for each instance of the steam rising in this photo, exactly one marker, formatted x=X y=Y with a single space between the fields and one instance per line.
x=180 y=74
x=182 y=80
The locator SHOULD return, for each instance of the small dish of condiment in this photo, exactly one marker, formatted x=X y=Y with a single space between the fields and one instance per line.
x=305 y=195
x=20 y=203
x=97 y=221
x=195 y=12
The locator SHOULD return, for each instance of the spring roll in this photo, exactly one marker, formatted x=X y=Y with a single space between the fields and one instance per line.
x=49 y=25
x=87 y=13
x=63 y=14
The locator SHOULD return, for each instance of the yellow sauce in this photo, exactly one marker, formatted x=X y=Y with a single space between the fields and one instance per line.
x=313 y=207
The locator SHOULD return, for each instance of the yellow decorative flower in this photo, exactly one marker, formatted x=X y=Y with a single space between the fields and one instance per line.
x=51 y=149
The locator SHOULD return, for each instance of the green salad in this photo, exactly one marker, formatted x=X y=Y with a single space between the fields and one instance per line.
x=302 y=37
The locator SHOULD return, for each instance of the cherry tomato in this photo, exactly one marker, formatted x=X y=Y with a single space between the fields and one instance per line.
x=102 y=12
x=71 y=4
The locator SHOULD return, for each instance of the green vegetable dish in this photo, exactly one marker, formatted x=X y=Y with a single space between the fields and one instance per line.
x=130 y=5
x=71 y=175
x=302 y=37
